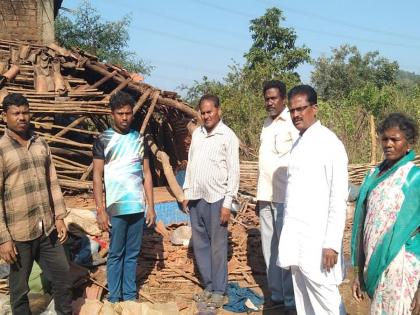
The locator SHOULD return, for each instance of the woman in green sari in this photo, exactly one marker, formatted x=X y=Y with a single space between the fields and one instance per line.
x=385 y=238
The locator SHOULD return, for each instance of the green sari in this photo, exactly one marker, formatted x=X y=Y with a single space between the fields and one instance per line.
x=401 y=230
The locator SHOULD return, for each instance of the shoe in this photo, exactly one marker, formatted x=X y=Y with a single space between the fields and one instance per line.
x=204 y=296
x=217 y=300
x=271 y=304
x=290 y=310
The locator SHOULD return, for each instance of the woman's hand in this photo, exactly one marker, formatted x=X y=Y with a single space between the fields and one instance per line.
x=357 y=291
x=415 y=305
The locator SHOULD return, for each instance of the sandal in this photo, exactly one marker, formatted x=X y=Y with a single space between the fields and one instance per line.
x=204 y=296
x=217 y=300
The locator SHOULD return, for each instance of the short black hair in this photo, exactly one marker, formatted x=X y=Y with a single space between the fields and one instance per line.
x=406 y=124
x=14 y=99
x=275 y=84
x=121 y=99
x=210 y=97
x=304 y=89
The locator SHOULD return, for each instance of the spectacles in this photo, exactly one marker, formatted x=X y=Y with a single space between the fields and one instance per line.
x=298 y=109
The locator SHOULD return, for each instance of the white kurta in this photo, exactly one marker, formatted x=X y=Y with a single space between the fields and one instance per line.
x=315 y=209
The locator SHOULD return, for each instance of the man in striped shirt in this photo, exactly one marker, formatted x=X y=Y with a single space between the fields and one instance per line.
x=211 y=184
x=31 y=210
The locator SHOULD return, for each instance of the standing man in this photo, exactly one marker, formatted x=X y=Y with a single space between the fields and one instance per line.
x=119 y=157
x=277 y=137
x=211 y=183
x=31 y=210
x=315 y=212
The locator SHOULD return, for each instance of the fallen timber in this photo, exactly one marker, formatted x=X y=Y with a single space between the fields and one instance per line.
x=68 y=93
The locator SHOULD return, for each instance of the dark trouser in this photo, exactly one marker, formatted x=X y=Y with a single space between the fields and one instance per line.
x=209 y=239
x=49 y=254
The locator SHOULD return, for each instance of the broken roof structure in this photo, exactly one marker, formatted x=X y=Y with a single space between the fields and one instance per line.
x=69 y=92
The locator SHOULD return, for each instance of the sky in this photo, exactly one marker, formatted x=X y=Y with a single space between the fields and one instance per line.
x=187 y=39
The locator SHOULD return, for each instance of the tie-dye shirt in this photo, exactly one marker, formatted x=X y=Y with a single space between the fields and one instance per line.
x=123 y=170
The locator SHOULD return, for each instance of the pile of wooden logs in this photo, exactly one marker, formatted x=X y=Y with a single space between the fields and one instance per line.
x=249 y=174
x=249 y=177
x=69 y=92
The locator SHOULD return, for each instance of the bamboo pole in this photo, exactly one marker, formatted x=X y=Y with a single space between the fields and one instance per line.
x=47 y=136
x=37 y=123
x=69 y=127
x=163 y=158
x=137 y=87
x=373 y=140
x=76 y=164
x=149 y=112
x=74 y=153
x=121 y=86
x=86 y=174
x=141 y=100
x=103 y=80
x=75 y=184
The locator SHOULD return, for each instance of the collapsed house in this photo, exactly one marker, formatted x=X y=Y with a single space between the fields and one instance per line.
x=69 y=92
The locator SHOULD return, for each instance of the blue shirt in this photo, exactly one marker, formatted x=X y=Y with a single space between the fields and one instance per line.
x=123 y=170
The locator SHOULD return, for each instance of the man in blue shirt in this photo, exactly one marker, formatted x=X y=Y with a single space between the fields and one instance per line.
x=119 y=160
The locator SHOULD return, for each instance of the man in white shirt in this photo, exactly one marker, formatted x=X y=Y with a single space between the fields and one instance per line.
x=277 y=137
x=315 y=211
x=211 y=183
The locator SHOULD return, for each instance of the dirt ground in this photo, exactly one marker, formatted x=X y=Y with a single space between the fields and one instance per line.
x=352 y=307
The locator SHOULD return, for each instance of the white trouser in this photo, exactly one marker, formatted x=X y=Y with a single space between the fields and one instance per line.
x=279 y=279
x=315 y=299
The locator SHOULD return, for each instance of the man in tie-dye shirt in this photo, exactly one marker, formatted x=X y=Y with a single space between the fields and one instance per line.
x=119 y=159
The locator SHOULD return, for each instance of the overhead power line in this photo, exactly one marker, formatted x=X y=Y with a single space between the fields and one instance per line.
x=187 y=67
x=224 y=9
x=356 y=38
x=189 y=40
x=341 y=22
x=196 y=25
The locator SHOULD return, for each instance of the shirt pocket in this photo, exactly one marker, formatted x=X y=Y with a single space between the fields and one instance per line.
x=282 y=143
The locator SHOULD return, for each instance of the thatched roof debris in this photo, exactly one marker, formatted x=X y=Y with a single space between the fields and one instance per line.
x=68 y=93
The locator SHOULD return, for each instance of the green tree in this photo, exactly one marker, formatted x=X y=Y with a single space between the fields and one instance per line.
x=408 y=81
x=84 y=28
x=335 y=77
x=274 y=54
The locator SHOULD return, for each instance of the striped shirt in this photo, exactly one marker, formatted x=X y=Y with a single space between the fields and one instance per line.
x=31 y=197
x=213 y=165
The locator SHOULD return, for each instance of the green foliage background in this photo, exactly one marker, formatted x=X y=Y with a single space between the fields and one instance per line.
x=351 y=86
x=84 y=28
